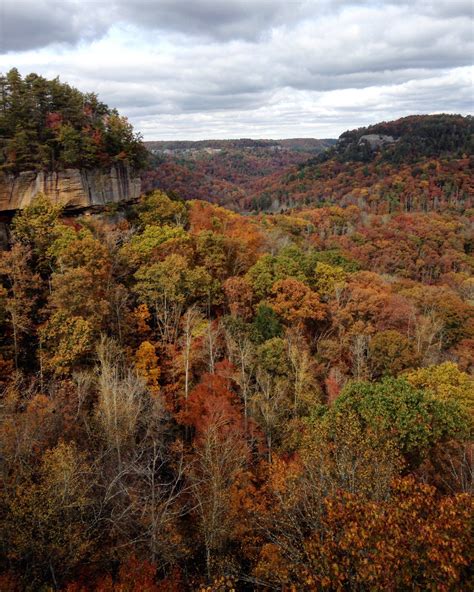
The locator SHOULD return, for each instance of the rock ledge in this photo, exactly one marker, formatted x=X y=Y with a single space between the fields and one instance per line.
x=73 y=188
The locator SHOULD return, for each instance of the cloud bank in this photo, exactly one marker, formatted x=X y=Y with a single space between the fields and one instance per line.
x=182 y=69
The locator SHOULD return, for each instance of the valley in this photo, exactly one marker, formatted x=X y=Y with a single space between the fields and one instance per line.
x=429 y=167
x=233 y=365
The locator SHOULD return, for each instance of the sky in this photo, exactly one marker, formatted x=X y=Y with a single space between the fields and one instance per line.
x=199 y=69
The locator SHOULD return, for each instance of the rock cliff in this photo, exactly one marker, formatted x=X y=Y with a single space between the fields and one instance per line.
x=376 y=140
x=74 y=188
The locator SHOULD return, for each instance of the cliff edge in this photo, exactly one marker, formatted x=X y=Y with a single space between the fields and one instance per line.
x=73 y=188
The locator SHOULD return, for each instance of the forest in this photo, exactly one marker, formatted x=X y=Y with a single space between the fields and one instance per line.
x=225 y=171
x=428 y=167
x=199 y=400
x=194 y=398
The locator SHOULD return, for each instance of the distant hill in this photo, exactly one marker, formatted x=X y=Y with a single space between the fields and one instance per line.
x=413 y=138
x=421 y=162
x=293 y=144
x=222 y=171
x=415 y=163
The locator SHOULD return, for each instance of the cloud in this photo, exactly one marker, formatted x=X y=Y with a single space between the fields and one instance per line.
x=207 y=68
x=230 y=19
x=30 y=24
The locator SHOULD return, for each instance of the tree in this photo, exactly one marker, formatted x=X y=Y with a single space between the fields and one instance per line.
x=220 y=455
x=265 y=324
x=270 y=269
x=212 y=254
x=241 y=352
x=79 y=302
x=446 y=382
x=168 y=287
x=390 y=353
x=417 y=420
x=445 y=307
x=270 y=403
x=296 y=303
x=155 y=243
x=412 y=540
x=64 y=343
x=239 y=296
x=79 y=286
x=329 y=280
x=50 y=525
x=69 y=141
x=192 y=325
x=146 y=363
x=37 y=226
x=19 y=293
x=157 y=208
x=120 y=400
x=306 y=391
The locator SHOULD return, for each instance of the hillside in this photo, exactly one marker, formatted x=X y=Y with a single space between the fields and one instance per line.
x=196 y=399
x=409 y=139
x=242 y=364
x=415 y=163
x=308 y=145
x=191 y=395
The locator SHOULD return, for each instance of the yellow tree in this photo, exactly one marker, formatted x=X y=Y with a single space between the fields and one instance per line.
x=445 y=381
x=18 y=293
x=49 y=519
x=146 y=363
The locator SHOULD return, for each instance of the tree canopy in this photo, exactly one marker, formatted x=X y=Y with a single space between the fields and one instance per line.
x=48 y=125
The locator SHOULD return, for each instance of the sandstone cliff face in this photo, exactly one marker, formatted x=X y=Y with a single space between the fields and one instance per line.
x=75 y=189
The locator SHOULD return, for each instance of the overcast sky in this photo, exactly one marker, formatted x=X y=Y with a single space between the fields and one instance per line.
x=195 y=69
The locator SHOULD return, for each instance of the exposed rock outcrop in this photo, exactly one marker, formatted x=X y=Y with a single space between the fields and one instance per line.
x=376 y=140
x=74 y=188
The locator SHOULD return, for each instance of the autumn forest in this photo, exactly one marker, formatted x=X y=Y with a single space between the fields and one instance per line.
x=257 y=376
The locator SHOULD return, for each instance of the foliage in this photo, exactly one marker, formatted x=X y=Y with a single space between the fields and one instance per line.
x=445 y=381
x=417 y=420
x=157 y=208
x=411 y=541
x=194 y=399
x=47 y=530
x=48 y=125
x=426 y=168
x=266 y=324
x=390 y=353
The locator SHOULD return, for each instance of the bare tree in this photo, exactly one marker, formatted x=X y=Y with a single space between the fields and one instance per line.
x=268 y=405
x=305 y=389
x=360 y=354
x=220 y=456
x=120 y=397
x=428 y=333
x=241 y=352
x=213 y=344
